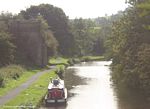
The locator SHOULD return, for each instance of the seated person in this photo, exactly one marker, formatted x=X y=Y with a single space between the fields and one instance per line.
x=55 y=82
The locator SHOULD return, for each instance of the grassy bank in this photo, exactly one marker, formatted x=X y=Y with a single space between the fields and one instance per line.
x=10 y=72
x=12 y=76
x=92 y=58
x=58 y=61
x=33 y=95
x=11 y=83
x=71 y=61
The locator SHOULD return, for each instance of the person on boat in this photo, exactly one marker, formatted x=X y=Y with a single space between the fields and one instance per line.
x=56 y=82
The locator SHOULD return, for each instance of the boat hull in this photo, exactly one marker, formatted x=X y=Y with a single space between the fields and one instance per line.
x=61 y=100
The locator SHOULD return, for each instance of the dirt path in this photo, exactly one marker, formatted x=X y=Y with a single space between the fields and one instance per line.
x=14 y=92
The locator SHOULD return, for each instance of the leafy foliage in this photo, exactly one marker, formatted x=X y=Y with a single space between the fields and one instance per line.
x=7 y=48
x=10 y=72
x=129 y=46
x=48 y=36
x=87 y=37
x=58 y=23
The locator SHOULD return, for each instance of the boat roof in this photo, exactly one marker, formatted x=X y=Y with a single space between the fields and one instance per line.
x=60 y=84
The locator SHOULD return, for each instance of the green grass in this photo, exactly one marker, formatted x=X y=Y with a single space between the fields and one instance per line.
x=11 y=71
x=12 y=83
x=58 y=61
x=92 y=58
x=33 y=95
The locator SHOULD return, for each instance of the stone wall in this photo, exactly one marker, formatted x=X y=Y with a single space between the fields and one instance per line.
x=29 y=40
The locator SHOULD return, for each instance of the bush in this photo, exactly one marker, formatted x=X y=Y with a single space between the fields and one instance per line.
x=60 y=71
x=11 y=71
x=71 y=62
x=92 y=58
x=1 y=81
x=76 y=60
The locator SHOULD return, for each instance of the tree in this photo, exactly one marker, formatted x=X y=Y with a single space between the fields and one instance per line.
x=129 y=45
x=58 y=23
x=48 y=36
x=82 y=30
x=7 y=48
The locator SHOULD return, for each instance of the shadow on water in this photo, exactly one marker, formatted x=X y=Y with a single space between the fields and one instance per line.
x=131 y=99
x=54 y=106
x=72 y=80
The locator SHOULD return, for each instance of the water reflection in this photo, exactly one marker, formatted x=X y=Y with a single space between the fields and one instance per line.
x=71 y=79
x=97 y=93
x=94 y=63
x=129 y=99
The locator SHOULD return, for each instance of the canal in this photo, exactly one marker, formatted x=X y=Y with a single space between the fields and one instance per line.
x=89 y=87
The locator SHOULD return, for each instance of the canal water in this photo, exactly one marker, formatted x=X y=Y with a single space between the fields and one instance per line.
x=89 y=87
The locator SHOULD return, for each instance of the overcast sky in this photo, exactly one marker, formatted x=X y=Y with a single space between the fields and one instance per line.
x=72 y=8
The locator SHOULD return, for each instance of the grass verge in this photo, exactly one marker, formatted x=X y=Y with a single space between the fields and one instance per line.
x=13 y=83
x=92 y=58
x=32 y=96
x=58 y=61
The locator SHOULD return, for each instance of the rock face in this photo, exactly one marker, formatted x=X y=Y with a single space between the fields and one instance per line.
x=29 y=40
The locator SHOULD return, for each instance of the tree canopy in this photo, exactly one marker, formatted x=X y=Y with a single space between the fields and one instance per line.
x=7 y=48
x=57 y=22
x=129 y=46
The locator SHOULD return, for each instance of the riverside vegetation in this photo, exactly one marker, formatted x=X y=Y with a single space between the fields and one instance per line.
x=38 y=89
x=62 y=37
x=123 y=37
x=129 y=46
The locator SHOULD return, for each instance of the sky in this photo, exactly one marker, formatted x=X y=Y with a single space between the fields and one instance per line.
x=72 y=8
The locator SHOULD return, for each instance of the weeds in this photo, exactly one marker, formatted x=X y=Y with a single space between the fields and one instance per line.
x=10 y=72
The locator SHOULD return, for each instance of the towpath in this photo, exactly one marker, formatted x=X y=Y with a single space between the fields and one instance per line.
x=14 y=92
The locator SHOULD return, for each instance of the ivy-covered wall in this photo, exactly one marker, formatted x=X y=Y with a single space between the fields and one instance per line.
x=29 y=41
